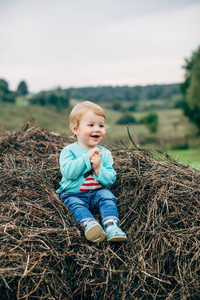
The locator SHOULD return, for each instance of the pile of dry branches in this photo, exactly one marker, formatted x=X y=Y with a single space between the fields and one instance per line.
x=43 y=251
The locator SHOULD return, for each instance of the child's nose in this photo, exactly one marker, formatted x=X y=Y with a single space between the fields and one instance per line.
x=96 y=128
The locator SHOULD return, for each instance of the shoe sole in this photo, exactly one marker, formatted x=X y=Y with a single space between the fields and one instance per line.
x=101 y=238
x=117 y=239
x=95 y=233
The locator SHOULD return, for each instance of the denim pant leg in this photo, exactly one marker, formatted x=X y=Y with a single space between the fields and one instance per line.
x=106 y=202
x=78 y=205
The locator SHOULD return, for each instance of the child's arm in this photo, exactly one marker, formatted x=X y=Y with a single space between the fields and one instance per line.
x=72 y=167
x=106 y=174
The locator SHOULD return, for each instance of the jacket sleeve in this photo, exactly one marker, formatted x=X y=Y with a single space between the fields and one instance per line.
x=107 y=175
x=72 y=167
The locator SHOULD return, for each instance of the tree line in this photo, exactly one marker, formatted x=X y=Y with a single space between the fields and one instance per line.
x=58 y=97
x=126 y=93
x=96 y=94
x=116 y=96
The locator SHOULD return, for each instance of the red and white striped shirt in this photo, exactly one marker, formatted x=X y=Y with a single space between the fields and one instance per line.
x=90 y=183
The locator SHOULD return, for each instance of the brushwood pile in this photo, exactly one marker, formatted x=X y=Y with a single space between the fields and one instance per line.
x=43 y=251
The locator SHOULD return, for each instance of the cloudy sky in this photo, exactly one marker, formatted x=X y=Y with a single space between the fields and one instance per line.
x=51 y=43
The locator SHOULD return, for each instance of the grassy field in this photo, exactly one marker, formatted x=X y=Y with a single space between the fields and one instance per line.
x=173 y=128
x=12 y=117
x=190 y=156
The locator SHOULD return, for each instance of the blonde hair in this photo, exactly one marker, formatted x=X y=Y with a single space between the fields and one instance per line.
x=81 y=108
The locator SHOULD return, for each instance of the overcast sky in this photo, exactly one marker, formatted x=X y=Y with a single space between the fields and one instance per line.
x=51 y=43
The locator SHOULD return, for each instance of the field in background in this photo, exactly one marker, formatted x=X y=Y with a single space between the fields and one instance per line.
x=12 y=117
x=175 y=132
x=189 y=157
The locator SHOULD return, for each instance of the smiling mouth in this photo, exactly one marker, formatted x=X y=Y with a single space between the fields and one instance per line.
x=95 y=136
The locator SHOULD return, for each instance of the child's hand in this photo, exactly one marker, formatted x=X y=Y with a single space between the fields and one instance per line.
x=96 y=162
x=93 y=151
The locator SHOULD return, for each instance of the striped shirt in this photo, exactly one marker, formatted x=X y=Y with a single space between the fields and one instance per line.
x=90 y=183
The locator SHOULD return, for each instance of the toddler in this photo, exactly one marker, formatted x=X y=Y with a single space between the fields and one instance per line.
x=87 y=172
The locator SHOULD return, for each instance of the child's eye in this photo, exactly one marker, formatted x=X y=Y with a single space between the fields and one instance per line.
x=101 y=126
x=91 y=125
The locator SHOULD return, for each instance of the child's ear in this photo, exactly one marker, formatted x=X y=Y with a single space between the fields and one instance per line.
x=74 y=129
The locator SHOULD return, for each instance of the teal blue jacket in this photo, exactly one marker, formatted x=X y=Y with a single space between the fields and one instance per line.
x=75 y=163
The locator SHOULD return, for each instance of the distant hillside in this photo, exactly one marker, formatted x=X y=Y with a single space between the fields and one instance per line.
x=126 y=93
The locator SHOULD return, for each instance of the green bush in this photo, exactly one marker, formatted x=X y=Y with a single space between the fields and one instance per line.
x=132 y=107
x=126 y=119
x=151 y=121
x=117 y=105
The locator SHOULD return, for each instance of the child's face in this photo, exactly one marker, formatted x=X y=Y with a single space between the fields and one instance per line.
x=91 y=130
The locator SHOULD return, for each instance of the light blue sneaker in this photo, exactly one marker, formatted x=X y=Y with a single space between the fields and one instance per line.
x=94 y=232
x=115 y=234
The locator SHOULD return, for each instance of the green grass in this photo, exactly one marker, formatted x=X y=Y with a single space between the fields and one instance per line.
x=12 y=117
x=189 y=157
x=22 y=101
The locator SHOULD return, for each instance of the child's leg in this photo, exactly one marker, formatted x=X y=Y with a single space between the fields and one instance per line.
x=80 y=209
x=105 y=202
x=109 y=214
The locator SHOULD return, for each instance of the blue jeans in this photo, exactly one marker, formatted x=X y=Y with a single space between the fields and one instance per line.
x=81 y=204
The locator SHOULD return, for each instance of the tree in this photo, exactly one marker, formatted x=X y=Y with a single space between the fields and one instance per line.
x=22 y=88
x=5 y=94
x=191 y=89
x=57 y=98
x=117 y=105
x=151 y=121
x=4 y=86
